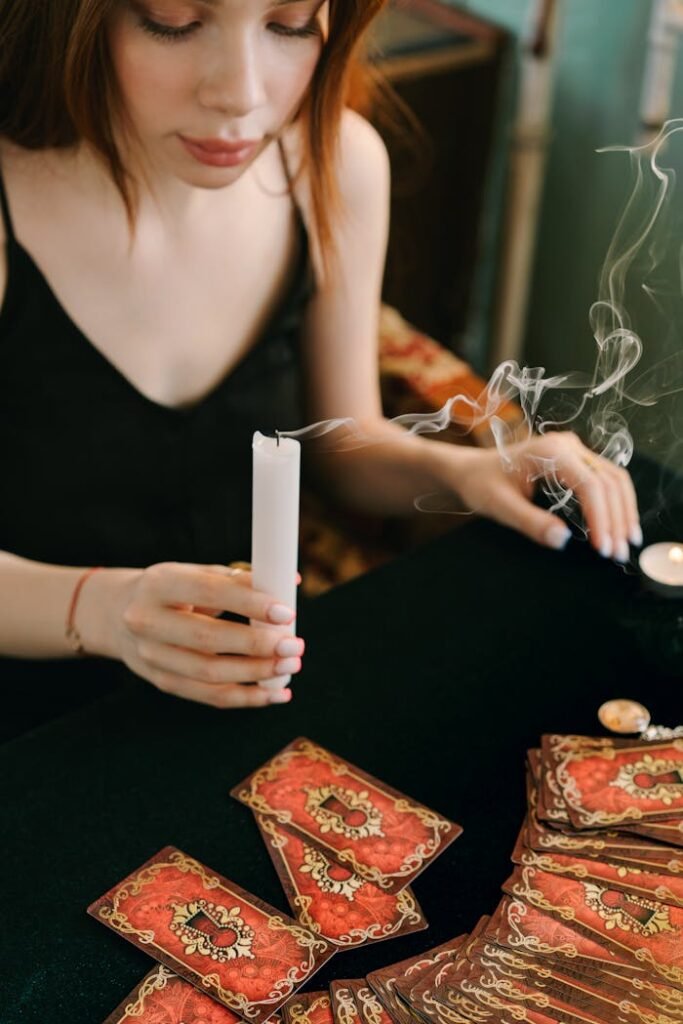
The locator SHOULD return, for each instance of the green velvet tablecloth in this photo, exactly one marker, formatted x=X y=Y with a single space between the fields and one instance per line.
x=434 y=673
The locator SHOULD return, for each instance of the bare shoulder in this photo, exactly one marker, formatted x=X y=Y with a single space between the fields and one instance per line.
x=362 y=167
x=363 y=164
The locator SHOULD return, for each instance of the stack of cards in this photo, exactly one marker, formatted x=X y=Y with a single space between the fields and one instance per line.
x=590 y=929
x=345 y=847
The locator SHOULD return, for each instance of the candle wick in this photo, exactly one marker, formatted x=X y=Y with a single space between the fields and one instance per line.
x=277 y=435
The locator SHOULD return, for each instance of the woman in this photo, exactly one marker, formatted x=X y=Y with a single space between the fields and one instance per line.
x=167 y=186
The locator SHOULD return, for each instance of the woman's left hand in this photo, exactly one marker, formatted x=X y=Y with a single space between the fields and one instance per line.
x=503 y=491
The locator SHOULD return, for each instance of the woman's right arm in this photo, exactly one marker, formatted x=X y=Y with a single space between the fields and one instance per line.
x=160 y=621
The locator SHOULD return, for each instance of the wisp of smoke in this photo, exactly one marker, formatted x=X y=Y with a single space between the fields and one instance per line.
x=596 y=405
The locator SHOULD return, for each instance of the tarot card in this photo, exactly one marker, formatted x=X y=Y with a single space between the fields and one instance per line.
x=636 y=927
x=664 y=888
x=360 y=822
x=383 y=981
x=308 y=1008
x=228 y=943
x=654 y=995
x=424 y=967
x=330 y=899
x=342 y=1000
x=422 y=993
x=371 y=1010
x=524 y=928
x=162 y=997
x=570 y=1001
x=615 y=786
x=668 y=831
x=609 y=846
x=467 y=989
x=562 y=972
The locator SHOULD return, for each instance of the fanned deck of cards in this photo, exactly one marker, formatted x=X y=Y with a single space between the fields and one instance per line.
x=344 y=845
x=589 y=929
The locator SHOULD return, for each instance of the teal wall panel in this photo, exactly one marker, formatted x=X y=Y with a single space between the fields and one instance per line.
x=599 y=78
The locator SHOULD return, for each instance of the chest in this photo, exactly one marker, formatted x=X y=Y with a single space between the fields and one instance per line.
x=174 y=314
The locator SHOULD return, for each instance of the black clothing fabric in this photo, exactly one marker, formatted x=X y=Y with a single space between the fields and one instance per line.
x=95 y=473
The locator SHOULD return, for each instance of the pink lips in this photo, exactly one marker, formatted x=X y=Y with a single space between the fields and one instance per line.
x=218 y=153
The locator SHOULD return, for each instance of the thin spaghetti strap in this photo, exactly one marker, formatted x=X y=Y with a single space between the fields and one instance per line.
x=4 y=208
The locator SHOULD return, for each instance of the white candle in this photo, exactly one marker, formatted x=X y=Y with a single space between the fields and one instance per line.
x=662 y=568
x=275 y=524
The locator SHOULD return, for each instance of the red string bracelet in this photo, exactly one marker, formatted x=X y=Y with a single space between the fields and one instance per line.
x=71 y=631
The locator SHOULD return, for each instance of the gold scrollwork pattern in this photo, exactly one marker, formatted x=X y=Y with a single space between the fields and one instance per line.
x=119 y=921
x=670 y=972
x=665 y=792
x=449 y=1014
x=334 y=820
x=155 y=983
x=635 y=914
x=318 y=866
x=219 y=919
x=301 y=1013
x=413 y=862
x=345 y=1010
x=188 y=865
x=488 y=999
x=370 y=1004
x=234 y=1000
x=532 y=943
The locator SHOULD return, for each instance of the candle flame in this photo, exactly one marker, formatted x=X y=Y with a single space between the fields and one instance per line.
x=676 y=554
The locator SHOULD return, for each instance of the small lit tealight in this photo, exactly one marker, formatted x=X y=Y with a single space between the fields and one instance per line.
x=662 y=568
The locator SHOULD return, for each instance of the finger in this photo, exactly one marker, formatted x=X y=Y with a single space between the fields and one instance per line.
x=207 y=587
x=230 y=696
x=213 y=636
x=517 y=511
x=617 y=512
x=629 y=501
x=215 y=670
x=590 y=490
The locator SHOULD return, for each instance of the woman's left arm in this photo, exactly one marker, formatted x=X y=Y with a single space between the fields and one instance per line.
x=389 y=472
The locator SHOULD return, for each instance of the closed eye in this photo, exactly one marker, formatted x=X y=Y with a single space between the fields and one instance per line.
x=168 y=32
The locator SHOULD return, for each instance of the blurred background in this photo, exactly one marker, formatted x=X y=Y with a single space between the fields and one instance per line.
x=501 y=227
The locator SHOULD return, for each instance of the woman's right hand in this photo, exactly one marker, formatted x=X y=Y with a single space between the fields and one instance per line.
x=162 y=623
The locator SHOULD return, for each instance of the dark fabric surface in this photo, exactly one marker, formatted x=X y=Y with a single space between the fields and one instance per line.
x=434 y=673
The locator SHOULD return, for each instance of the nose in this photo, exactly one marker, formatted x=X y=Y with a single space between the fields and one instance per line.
x=232 y=80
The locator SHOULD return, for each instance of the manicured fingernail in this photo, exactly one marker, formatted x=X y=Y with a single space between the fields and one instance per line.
x=287 y=666
x=280 y=614
x=280 y=696
x=558 y=537
x=636 y=537
x=289 y=646
x=605 y=548
x=621 y=552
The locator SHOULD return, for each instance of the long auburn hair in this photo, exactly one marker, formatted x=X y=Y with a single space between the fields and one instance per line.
x=57 y=88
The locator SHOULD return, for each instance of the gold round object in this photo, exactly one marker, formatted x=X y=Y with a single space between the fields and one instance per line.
x=591 y=462
x=624 y=716
x=237 y=567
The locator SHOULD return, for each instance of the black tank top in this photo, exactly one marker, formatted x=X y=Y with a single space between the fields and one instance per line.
x=95 y=473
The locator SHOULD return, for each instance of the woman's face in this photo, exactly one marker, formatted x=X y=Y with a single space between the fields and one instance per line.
x=207 y=84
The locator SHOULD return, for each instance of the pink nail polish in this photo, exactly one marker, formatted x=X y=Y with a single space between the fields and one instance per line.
x=281 y=696
x=287 y=666
x=289 y=647
x=280 y=614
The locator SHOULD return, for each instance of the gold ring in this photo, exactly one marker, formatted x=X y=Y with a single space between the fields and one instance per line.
x=235 y=568
x=591 y=462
